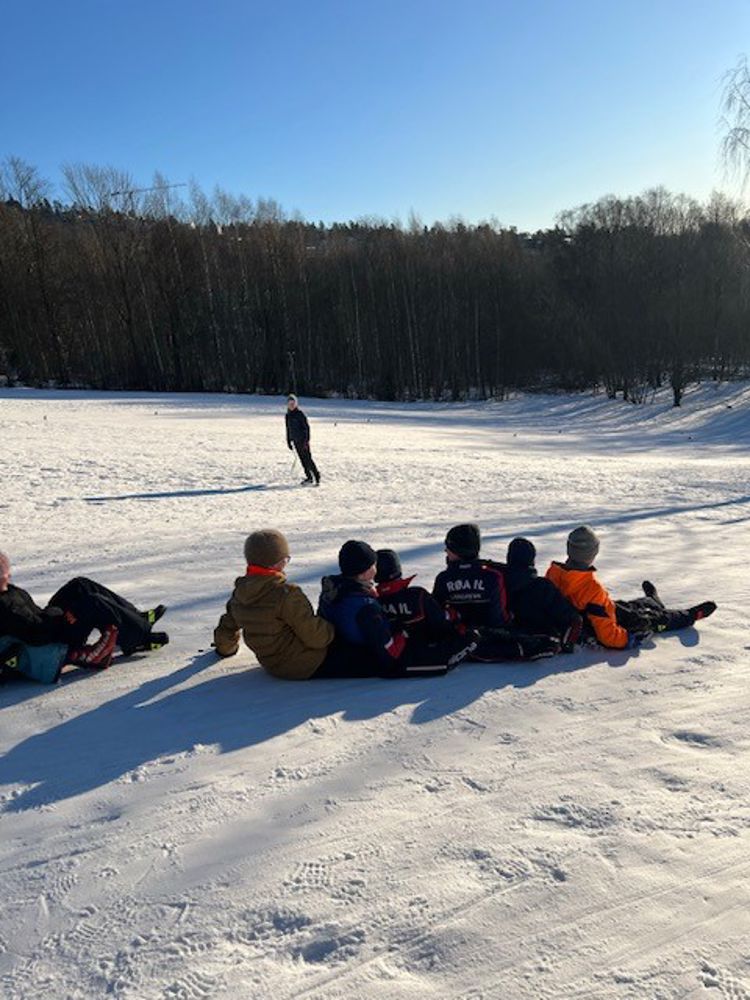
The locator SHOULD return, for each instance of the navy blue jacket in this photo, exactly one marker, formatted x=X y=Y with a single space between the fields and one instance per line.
x=536 y=603
x=475 y=590
x=357 y=617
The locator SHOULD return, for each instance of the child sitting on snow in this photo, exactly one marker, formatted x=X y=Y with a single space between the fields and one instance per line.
x=275 y=617
x=407 y=606
x=39 y=642
x=535 y=603
x=615 y=624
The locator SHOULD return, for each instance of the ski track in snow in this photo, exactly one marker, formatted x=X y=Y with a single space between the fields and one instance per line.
x=179 y=827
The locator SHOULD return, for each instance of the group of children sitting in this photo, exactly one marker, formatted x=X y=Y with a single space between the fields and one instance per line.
x=373 y=621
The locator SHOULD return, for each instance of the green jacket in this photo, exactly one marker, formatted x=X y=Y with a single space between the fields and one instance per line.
x=277 y=623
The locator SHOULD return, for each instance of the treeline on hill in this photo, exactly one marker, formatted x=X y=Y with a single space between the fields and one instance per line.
x=116 y=288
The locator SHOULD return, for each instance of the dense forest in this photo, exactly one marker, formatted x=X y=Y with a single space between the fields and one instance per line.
x=170 y=289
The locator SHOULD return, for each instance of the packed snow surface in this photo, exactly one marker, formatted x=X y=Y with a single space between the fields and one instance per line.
x=182 y=827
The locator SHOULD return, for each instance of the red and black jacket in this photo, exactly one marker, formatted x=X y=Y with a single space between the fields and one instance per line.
x=414 y=609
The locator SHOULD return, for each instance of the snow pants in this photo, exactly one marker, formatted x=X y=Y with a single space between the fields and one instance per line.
x=496 y=645
x=347 y=659
x=88 y=605
x=305 y=456
x=648 y=614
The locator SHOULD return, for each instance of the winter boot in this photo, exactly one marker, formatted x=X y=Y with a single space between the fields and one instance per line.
x=97 y=655
x=9 y=661
x=699 y=611
x=306 y=482
x=649 y=590
x=154 y=641
x=153 y=615
x=538 y=647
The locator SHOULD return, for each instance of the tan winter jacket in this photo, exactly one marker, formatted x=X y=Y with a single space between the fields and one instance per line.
x=277 y=623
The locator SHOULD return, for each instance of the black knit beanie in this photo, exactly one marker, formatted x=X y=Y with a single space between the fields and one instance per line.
x=388 y=566
x=464 y=540
x=355 y=557
x=521 y=552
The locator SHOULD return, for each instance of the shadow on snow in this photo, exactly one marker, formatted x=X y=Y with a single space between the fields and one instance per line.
x=238 y=710
x=172 y=494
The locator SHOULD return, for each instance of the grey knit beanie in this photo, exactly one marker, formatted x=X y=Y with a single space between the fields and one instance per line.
x=583 y=545
x=266 y=547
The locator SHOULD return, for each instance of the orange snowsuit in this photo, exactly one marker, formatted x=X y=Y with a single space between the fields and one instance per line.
x=588 y=596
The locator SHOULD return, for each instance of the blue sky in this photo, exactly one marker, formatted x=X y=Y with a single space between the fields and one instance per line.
x=342 y=110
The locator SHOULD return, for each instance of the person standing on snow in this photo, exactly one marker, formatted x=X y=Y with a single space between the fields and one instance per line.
x=298 y=437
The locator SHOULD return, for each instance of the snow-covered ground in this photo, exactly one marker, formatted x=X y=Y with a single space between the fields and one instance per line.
x=178 y=827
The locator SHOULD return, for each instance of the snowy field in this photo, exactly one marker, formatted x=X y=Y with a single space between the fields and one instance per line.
x=178 y=827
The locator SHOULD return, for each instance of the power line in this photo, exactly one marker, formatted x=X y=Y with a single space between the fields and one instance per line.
x=159 y=187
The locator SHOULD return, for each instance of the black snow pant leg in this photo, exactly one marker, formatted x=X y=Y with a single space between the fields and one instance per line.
x=419 y=654
x=673 y=621
x=345 y=659
x=94 y=606
x=647 y=613
x=496 y=645
x=308 y=465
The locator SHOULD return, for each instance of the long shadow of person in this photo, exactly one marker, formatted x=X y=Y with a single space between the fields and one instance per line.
x=462 y=688
x=235 y=710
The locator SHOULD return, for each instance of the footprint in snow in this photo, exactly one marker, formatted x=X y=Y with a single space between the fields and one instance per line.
x=309 y=875
x=330 y=944
x=575 y=815
x=193 y=986
x=693 y=738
